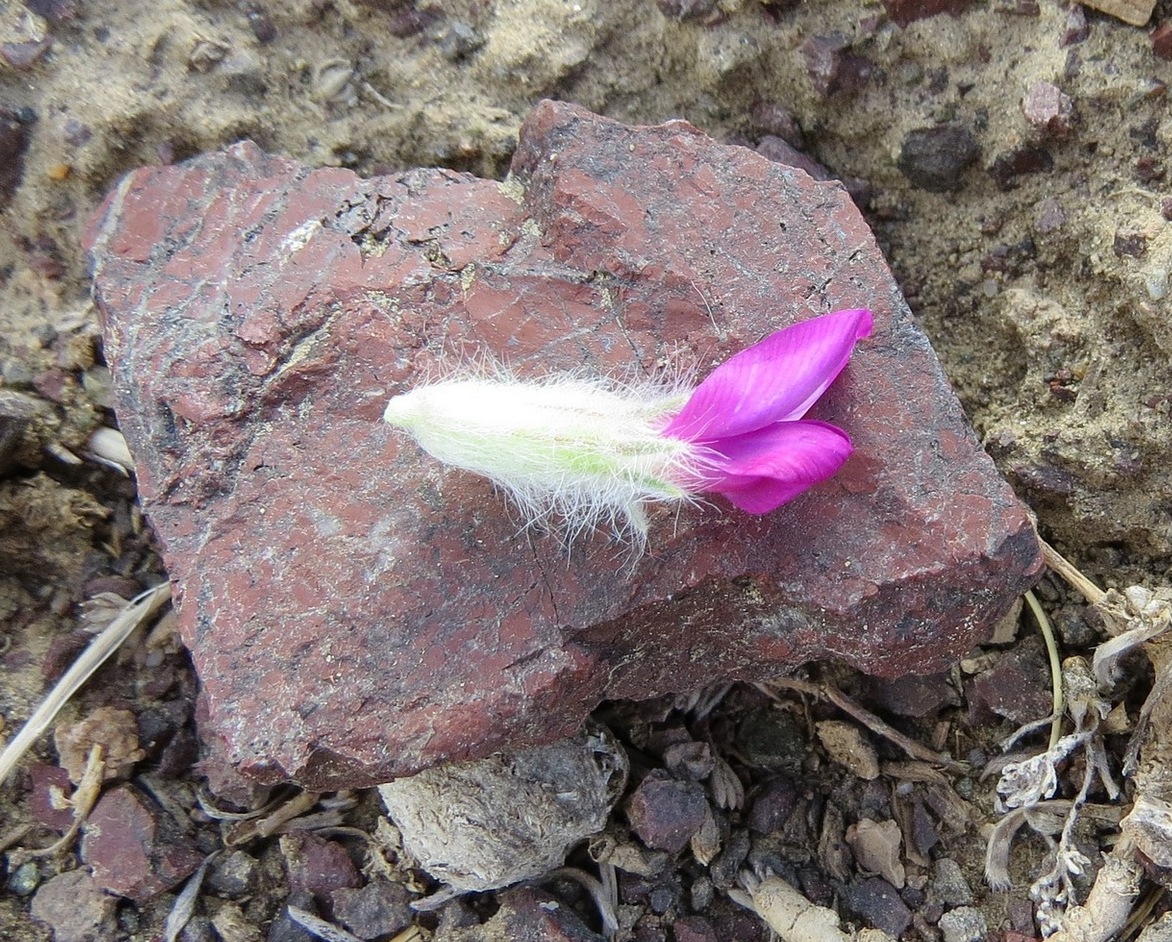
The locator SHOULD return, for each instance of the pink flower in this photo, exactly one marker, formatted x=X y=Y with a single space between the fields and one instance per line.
x=746 y=418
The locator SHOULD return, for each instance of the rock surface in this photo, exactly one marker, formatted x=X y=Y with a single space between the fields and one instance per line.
x=357 y=612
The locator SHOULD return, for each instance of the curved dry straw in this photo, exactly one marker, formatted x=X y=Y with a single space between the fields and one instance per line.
x=136 y=612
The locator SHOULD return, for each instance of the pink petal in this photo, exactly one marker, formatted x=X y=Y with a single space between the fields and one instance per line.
x=772 y=381
x=763 y=469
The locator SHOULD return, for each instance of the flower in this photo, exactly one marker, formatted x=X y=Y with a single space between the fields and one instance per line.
x=594 y=451
x=747 y=415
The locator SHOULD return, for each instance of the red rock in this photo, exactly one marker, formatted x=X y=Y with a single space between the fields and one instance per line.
x=693 y=929
x=832 y=66
x=317 y=866
x=135 y=848
x=1048 y=109
x=358 y=612
x=904 y=12
x=1076 y=28
x=772 y=805
x=665 y=812
x=1161 y=38
x=50 y=784
x=1007 y=690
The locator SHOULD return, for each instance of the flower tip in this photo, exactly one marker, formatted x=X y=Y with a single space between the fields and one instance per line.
x=864 y=321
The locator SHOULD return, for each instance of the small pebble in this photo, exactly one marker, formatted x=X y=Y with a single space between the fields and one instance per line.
x=879 y=903
x=460 y=40
x=934 y=158
x=1049 y=110
x=75 y=908
x=665 y=812
x=847 y=745
x=24 y=879
x=963 y=924
x=772 y=805
x=831 y=65
x=1076 y=29
x=949 y=885
x=904 y=12
x=234 y=876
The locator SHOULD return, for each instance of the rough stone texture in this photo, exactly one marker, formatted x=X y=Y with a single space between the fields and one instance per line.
x=878 y=902
x=134 y=848
x=511 y=817
x=526 y=915
x=355 y=610
x=75 y=908
x=934 y=158
x=665 y=812
x=1048 y=109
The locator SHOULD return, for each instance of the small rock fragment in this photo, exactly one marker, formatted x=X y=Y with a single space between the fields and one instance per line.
x=1011 y=688
x=1158 y=931
x=1009 y=166
x=16 y=410
x=50 y=786
x=782 y=152
x=318 y=867
x=904 y=12
x=949 y=886
x=235 y=875
x=1161 y=38
x=15 y=134
x=380 y=908
x=1132 y=243
x=846 y=744
x=910 y=695
x=75 y=908
x=832 y=66
x=1050 y=215
x=879 y=903
x=526 y=915
x=924 y=835
x=934 y=158
x=772 y=739
x=690 y=760
x=964 y=924
x=1049 y=110
x=693 y=929
x=876 y=846
x=665 y=812
x=1133 y=12
x=134 y=848
x=774 y=120
x=772 y=805
x=115 y=729
x=1076 y=28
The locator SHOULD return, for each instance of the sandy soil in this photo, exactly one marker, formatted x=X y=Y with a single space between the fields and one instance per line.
x=1044 y=292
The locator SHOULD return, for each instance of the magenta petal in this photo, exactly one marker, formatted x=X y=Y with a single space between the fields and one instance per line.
x=762 y=470
x=772 y=381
